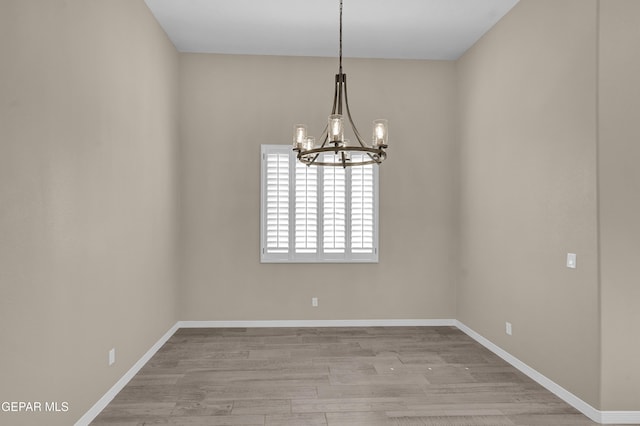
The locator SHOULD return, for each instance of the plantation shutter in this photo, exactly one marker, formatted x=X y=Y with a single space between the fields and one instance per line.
x=362 y=208
x=306 y=208
x=316 y=214
x=277 y=202
x=334 y=208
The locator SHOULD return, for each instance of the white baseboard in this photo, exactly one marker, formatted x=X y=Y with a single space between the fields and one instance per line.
x=93 y=412
x=620 y=417
x=319 y=323
x=604 y=417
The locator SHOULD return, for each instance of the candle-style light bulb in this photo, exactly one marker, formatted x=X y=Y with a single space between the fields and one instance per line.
x=336 y=128
x=299 y=135
x=309 y=143
x=380 y=133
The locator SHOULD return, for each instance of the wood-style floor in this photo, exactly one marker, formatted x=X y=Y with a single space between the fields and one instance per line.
x=332 y=376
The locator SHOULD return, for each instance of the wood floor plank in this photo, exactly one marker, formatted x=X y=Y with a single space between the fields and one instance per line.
x=262 y=406
x=366 y=391
x=218 y=376
x=259 y=392
x=388 y=378
x=296 y=419
x=330 y=405
x=366 y=376
x=249 y=420
x=549 y=419
x=358 y=418
x=454 y=420
x=202 y=408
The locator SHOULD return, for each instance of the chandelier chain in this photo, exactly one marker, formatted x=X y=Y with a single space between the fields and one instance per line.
x=340 y=36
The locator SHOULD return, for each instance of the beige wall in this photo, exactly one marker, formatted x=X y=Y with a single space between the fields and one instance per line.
x=528 y=190
x=232 y=104
x=619 y=198
x=88 y=129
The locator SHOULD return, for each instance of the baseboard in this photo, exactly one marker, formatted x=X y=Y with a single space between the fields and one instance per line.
x=603 y=417
x=319 y=323
x=620 y=417
x=93 y=412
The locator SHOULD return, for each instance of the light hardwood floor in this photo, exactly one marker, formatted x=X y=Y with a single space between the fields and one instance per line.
x=332 y=376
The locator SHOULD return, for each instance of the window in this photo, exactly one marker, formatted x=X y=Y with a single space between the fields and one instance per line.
x=317 y=214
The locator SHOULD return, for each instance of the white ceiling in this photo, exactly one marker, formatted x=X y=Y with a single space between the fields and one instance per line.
x=398 y=29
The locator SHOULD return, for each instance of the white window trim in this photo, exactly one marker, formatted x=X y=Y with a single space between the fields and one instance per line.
x=319 y=257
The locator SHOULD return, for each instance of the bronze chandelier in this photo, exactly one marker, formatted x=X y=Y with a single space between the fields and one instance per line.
x=332 y=139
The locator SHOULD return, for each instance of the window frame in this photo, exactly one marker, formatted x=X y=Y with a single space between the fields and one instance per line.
x=318 y=257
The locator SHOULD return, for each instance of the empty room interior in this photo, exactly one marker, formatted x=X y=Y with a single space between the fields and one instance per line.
x=131 y=198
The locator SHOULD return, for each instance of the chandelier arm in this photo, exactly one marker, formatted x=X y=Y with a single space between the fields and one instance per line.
x=341 y=81
x=335 y=95
x=325 y=135
x=353 y=126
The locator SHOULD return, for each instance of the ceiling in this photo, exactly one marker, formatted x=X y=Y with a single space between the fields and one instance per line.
x=394 y=29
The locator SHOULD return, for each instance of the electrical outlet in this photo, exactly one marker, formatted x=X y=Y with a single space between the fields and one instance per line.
x=314 y=302
x=571 y=260
x=112 y=356
x=508 y=329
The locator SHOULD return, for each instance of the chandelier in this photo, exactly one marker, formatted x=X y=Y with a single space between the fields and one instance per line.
x=332 y=141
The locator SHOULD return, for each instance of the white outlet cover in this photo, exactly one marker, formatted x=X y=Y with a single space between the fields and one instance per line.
x=112 y=356
x=314 y=302
x=508 y=329
x=571 y=260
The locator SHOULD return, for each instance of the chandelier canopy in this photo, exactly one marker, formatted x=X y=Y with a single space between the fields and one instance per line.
x=334 y=149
